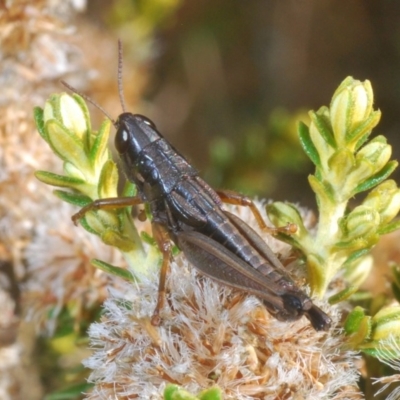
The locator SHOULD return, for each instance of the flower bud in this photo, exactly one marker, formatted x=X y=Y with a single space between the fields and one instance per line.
x=385 y=199
x=116 y=239
x=321 y=134
x=371 y=159
x=69 y=111
x=354 y=320
x=386 y=323
x=377 y=152
x=174 y=392
x=358 y=326
x=351 y=105
x=362 y=221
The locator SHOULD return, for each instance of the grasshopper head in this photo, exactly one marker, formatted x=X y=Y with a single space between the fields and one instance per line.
x=134 y=133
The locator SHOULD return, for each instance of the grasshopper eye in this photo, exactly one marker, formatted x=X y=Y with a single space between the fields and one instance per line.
x=121 y=140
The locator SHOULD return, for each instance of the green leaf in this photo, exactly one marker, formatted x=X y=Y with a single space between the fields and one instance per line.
x=361 y=296
x=101 y=220
x=85 y=111
x=372 y=349
x=174 y=392
x=364 y=129
x=377 y=178
x=74 y=172
x=321 y=189
x=129 y=190
x=342 y=295
x=115 y=239
x=343 y=85
x=85 y=225
x=378 y=348
x=108 y=180
x=387 y=315
x=316 y=273
x=39 y=121
x=307 y=144
x=213 y=393
x=323 y=125
x=340 y=163
x=58 y=180
x=113 y=270
x=76 y=199
x=100 y=144
x=353 y=320
x=361 y=141
x=356 y=244
x=66 y=145
x=363 y=332
x=354 y=256
x=169 y=390
x=388 y=228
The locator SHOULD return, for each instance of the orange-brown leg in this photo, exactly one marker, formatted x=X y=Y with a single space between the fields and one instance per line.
x=230 y=197
x=106 y=204
x=161 y=236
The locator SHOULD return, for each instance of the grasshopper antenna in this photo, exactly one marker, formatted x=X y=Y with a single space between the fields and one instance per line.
x=87 y=98
x=120 y=86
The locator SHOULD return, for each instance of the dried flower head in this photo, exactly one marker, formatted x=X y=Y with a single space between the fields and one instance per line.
x=391 y=344
x=212 y=335
x=61 y=275
x=35 y=53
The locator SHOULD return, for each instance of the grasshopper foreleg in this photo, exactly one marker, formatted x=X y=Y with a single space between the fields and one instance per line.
x=106 y=204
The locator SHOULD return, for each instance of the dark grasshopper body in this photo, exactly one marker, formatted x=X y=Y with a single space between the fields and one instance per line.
x=219 y=244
